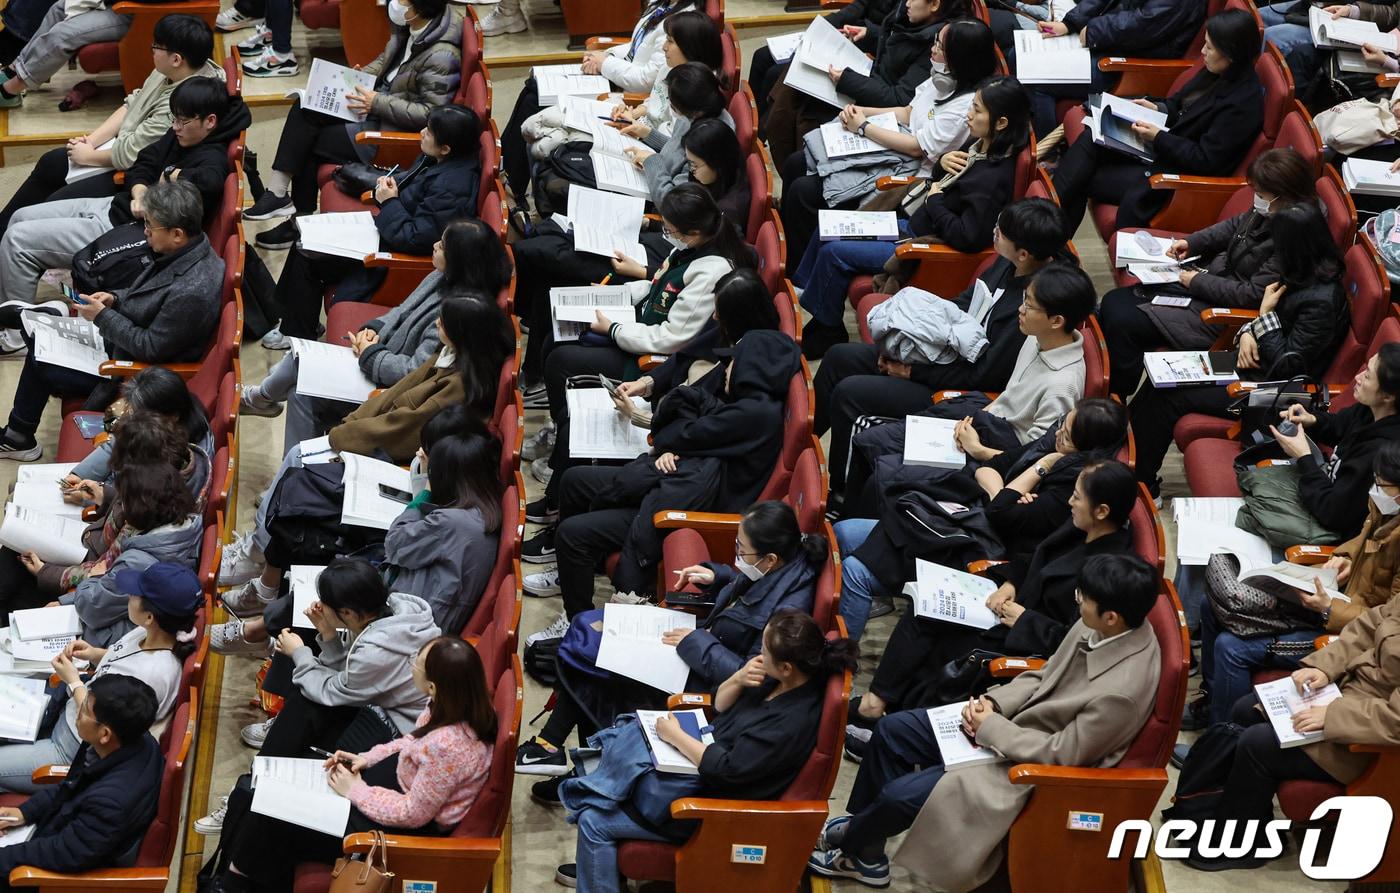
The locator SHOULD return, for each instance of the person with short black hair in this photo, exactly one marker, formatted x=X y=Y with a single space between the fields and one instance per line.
x=99 y=814
x=1083 y=708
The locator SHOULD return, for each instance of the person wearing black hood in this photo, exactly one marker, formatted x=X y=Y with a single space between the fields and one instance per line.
x=714 y=445
x=859 y=20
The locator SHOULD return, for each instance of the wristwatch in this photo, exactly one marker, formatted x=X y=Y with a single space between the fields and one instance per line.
x=1040 y=470
x=860 y=131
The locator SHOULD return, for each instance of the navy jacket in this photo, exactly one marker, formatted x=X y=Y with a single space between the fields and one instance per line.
x=1158 y=29
x=96 y=817
x=901 y=61
x=1210 y=136
x=437 y=195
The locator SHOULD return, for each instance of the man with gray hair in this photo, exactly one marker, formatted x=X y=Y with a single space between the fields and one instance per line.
x=166 y=316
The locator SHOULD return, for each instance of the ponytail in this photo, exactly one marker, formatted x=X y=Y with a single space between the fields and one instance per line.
x=182 y=629
x=771 y=526
x=814 y=548
x=792 y=636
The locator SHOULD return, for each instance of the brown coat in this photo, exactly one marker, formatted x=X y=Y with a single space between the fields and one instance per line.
x=393 y=420
x=1375 y=568
x=1365 y=664
x=1083 y=708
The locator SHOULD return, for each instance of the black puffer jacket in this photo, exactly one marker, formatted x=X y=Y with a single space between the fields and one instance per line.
x=1158 y=29
x=1312 y=321
x=901 y=61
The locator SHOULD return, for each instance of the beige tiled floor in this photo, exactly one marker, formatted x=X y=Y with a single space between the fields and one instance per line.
x=542 y=840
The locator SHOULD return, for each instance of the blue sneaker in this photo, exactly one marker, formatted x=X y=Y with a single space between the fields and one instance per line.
x=834 y=863
x=823 y=843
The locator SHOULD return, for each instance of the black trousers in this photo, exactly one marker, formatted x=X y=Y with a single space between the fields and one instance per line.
x=544 y=261
x=1130 y=334
x=900 y=768
x=802 y=201
x=586 y=538
x=19 y=589
x=564 y=361
x=1154 y=413
x=764 y=72
x=47 y=182
x=515 y=153
x=301 y=288
x=1260 y=764
x=40 y=381
x=310 y=139
x=917 y=649
x=1092 y=172
x=303 y=724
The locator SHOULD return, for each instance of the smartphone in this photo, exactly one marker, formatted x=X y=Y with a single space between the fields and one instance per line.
x=71 y=293
x=395 y=494
x=689 y=600
x=607 y=383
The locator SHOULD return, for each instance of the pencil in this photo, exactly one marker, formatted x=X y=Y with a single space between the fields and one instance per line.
x=606 y=279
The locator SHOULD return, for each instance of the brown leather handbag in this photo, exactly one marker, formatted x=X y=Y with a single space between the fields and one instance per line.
x=353 y=876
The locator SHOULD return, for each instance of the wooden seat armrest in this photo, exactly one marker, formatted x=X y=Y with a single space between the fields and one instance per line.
x=690 y=700
x=1388 y=750
x=1308 y=554
x=398 y=261
x=386 y=137
x=407 y=844
x=1010 y=667
x=1270 y=463
x=1322 y=642
x=51 y=774
x=153 y=878
x=1126 y=64
x=89 y=513
x=1388 y=80
x=893 y=182
x=1225 y=185
x=1042 y=775
x=130 y=368
x=1221 y=316
x=130 y=8
x=980 y=568
x=757 y=810
x=915 y=251
x=1240 y=388
x=940 y=396
x=367 y=197
x=835 y=4
x=375 y=393
x=119 y=178
x=649 y=361
x=703 y=521
x=594 y=44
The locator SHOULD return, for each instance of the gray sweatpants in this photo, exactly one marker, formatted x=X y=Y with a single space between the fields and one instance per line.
x=307 y=417
x=57 y=39
x=46 y=236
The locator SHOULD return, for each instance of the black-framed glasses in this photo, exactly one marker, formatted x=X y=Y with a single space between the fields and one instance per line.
x=739 y=549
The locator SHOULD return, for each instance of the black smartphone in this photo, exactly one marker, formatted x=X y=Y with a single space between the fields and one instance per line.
x=689 y=600
x=395 y=494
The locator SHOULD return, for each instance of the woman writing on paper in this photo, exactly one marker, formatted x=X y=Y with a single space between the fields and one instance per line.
x=441 y=187
x=1303 y=318
x=767 y=716
x=775 y=568
x=161 y=602
x=468 y=257
x=934 y=122
x=422 y=783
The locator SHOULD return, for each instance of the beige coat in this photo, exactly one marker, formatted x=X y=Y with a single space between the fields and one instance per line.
x=1084 y=708
x=1365 y=664
x=1375 y=568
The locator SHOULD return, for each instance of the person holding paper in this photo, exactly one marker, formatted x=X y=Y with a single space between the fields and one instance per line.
x=934 y=122
x=181 y=50
x=1211 y=123
x=1083 y=708
x=1286 y=27
x=1361 y=663
x=413 y=210
x=1233 y=263
x=98 y=815
x=858 y=20
x=768 y=713
x=776 y=567
x=419 y=69
x=161 y=603
x=1303 y=320
x=422 y=783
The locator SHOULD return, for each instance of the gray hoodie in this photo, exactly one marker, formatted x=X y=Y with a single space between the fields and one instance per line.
x=408 y=335
x=376 y=667
x=443 y=555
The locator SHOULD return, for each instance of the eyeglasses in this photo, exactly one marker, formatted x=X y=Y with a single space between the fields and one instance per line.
x=156 y=46
x=150 y=229
x=739 y=549
x=178 y=122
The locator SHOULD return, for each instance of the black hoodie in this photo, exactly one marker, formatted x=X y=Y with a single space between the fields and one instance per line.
x=204 y=164
x=902 y=61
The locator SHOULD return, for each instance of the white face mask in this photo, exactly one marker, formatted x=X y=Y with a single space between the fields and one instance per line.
x=1262 y=205
x=675 y=241
x=398 y=13
x=938 y=66
x=418 y=478
x=749 y=570
x=1387 y=504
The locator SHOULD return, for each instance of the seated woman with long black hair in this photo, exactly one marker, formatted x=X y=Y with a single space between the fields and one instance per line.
x=414 y=208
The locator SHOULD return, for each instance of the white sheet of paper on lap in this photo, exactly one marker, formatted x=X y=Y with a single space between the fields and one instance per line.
x=584 y=113
x=942 y=593
x=1281 y=699
x=78 y=172
x=816 y=84
x=1052 y=60
x=784 y=46
x=36 y=487
x=840 y=142
x=631 y=645
x=330 y=371
x=317 y=451
x=326 y=87
x=614 y=174
x=350 y=234
x=822 y=46
x=605 y=222
x=598 y=431
x=22 y=705
x=29 y=624
x=296 y=791
x=1205 y=526
x=929 y=442
x=953 y=745
x=363 y=505
x=68 y=341
x=553 y=85
x=572 y=308
x=55 y=539
x=18 y=835
x=833 y=225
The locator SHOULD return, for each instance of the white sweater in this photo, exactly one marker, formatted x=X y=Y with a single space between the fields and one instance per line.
x=692 y=308
x=640 y=73
x=1043 y=387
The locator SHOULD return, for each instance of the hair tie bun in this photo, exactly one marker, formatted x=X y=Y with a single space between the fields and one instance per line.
x=188 y=635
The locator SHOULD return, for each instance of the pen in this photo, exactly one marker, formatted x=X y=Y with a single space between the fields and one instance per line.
x=393 y=170
x=606 y=279
x=12 y=819
x=345 y=337
x=330 y=756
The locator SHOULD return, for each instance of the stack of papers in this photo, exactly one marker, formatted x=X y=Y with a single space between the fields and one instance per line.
x=941 y=593
x=582 y=113
x=632 y=646
x=364 y=506
x=1345 y=32
x=36 y=487
x=327 y=85
x=606 y=223
x=555 y=81
x=22 y=705
x=612 y=169
x=317 y=451
x=78 y=172
x=296 y=791
x=45 y=623
x=349 y=234
x=598 y=431
x=851 y=225
x=38 y=653
x=822 y=46
x=784 y=46
x=956 y=748
x=840 y=142
x=330 y=371
x=1110 y=121
x=68 y=341
x=573 y=308
x=1205 y=526
x=929 y=441
x=1370 y=177
x=1052 y=60
x=55 y=539
x=664 y=756
x=1145 y=256
x=1281 y=699
x=1173 y=368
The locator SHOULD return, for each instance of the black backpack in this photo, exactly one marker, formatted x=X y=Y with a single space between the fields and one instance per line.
x=570 y=163
x=541 y=661
x=1202 y=782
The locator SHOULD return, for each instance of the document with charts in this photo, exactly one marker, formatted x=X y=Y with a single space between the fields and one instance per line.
x=607 y=222
x=54 y=539
x=598 y=431
x=572 y=308
x=68 y=341
x=941 y=593
x=840 y=142
x=330 y=371
x=1174 y=368
x=1111 y=119
x=350 y=234
x=22 y=705
x=822 y=45
x=36 y=487
x=326 y=87
x=784 y=46
x=1052 y=60
x=882 y=226
x=612 y=169
x=555 y=81
x=956 y=748
x=296 y=791
x=1345 y=32
x=364 y=505
x=1281 y=699
x=632 y=645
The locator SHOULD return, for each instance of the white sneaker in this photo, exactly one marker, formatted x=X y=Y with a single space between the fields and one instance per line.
x=242 y=560
x=629 y=598
x=253 y=46
x=542 y=585
x=227 y=638
x=540 y=470
x=233 y=20
x=252 y=402
x=12 y=345
x=507 y=23
x=256 y=734
x=271 y=64
x=555 y=630
x=275 y=340
x=539 y=446
x=213 y=823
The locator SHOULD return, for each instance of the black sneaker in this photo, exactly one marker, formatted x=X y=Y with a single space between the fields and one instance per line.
x=1196 y=715
x=539 y=549
x=533 y=758
x=541 y=512
x=281 y=237
x=270 y=205
x=535 y=396
x=857 y=741
x=546 y=793
x=18 y=448
x=566 y=875
x=818 y=338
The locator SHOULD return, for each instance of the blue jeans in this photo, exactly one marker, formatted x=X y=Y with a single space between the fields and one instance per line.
x=1294 y=42
x=1228 y=661
x=595 y=852
x=19 y=759
x=827 y=269
x=1191 y=589
x=858 y=584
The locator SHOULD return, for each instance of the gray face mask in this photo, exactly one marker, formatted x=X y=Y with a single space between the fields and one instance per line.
x=398 y=13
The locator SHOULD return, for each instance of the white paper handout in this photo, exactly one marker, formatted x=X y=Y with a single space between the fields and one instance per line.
x=1205 y=526
x=929 y=441
x=1052 y=60
x=303 y=588
x=1113 y=120
x=36 y=487
x=784 y=46
x=32 y=657
x=1281 y=699
x=955 y=747
x=78 y=172
x=22 y=705
x=857 y=225
x=54 y=539
x=317 y=451
x=364 y=506
x=598 y=431
x=326 y=87
x=44 y=623
x=1173 y=368
x=1370 y=177
x=1286 y=581
x=840 y=142
x=68 y=341
x=612 y=169
x=665 y=756
x=822 y=46
x=296 y=791
x=349 y=234
x=1346 y=32
x=1140 y=247
x=18 y=835
x=330 y=371
x=572 y=308
x=632 y=646
x=942 y=593
x=607 y=222
x=554 y=81
x=583 y=113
